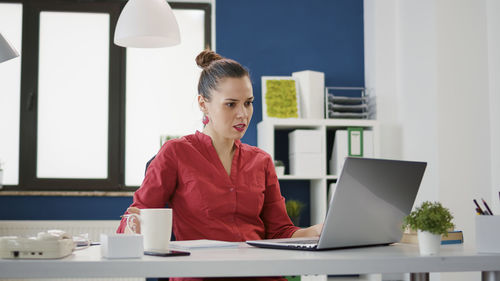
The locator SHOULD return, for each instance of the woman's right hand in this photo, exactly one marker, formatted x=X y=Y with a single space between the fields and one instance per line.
x=134 y=222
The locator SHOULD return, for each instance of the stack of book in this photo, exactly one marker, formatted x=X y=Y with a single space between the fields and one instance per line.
x=454 y=237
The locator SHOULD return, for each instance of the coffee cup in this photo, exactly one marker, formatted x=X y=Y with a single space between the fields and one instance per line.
x=156 y=228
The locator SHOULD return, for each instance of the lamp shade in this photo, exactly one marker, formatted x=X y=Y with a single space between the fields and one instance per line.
x=147 y=24
x=7 y=52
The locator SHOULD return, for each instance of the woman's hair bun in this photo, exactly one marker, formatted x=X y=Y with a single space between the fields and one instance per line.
x=206 y=57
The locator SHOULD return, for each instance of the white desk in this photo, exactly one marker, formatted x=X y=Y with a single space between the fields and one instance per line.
x=249 y=261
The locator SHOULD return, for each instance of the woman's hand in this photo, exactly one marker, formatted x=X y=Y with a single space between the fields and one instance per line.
x=312 y=231
x=134 y=222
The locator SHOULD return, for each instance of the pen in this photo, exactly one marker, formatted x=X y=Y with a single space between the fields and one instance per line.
x=487 y=207
x=477 y=205
x=478 y=211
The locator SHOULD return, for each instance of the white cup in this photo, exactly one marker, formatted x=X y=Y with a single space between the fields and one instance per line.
x=156 y=228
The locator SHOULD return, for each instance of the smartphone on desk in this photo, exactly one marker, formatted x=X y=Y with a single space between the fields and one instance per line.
x=168 y=253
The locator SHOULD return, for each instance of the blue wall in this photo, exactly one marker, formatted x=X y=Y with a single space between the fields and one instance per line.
x=62 y=208
x=270 y=37
x=278 y=37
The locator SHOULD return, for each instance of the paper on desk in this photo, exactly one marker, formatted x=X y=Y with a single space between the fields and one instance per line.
x=199 y=244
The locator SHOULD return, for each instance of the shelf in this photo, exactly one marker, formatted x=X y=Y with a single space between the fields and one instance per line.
x=293 y=123
x=272 y=135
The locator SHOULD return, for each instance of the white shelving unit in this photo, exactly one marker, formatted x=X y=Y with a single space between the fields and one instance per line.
x=266 y=132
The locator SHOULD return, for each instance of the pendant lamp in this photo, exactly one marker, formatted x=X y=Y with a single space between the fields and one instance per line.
x=7 y=52
x=147 y=24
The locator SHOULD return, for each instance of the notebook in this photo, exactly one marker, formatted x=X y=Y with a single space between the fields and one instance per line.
x=367 y=208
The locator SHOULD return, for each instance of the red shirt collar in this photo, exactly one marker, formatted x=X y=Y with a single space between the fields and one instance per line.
x=207 y=140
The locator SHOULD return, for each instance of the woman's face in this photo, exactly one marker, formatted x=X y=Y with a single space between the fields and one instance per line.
x=230 y=109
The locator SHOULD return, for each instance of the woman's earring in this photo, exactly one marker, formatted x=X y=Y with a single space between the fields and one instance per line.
x=205 y=120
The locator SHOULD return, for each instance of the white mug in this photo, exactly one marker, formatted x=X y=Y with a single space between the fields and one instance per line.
x=156 y=228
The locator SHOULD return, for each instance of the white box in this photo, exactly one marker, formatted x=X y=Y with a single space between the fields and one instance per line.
x=305 y=141
x=311 y=86
x=120 y=246
x=306 y=164
x=487 y=230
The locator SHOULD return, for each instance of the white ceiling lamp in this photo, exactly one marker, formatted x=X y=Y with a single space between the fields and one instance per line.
x=147 y=24
x=7 y=52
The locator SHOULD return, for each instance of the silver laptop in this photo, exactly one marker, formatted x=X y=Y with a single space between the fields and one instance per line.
x=368 y=205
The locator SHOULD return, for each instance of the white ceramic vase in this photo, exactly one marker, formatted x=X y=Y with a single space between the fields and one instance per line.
x=429 y=243
x=280 y=170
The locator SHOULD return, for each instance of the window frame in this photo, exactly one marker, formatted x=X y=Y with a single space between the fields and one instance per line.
x=117 y=95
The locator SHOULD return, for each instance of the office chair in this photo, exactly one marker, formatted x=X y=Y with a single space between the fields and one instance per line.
x=147 y=164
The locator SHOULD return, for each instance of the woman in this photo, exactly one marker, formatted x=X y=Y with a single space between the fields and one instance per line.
x=218 y=187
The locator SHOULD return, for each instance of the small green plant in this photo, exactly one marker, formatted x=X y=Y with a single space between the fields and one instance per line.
x=293 y=209
x=278 y=163
x=431 y=217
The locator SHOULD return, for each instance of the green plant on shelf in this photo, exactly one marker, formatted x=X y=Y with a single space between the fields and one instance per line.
x=431 y=217
x=281 y=99
x=293 y=209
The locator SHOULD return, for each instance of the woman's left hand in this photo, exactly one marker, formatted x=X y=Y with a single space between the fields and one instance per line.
x=312 y=231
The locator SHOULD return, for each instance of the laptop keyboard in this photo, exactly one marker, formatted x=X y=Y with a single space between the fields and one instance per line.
x=301 y=242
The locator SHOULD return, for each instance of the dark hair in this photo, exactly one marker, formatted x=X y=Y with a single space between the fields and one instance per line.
x=216 y=68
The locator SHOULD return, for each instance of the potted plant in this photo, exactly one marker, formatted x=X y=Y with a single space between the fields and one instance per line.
x=293 y=209
x=280 y=167
x=430 y=220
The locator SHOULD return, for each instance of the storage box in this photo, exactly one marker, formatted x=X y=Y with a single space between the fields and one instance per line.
x=305 y=141
x=306 y=164
x=487 y=234
x=341 y=149
x=305 y=151
x=311 y=86
x=119 y=246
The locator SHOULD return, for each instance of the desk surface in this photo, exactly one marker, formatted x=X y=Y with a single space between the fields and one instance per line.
x=249 y=261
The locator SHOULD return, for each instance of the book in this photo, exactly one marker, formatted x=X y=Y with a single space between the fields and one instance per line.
x=454 y=237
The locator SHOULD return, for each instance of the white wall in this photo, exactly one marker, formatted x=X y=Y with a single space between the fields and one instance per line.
x=380 y=70
x=434 y=67
x=416 y=56
x=463 y=103
x=493 y=23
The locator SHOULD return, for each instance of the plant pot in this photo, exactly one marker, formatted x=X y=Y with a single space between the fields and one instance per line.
x=1 y=179
x=428 y=243
x=280 y=170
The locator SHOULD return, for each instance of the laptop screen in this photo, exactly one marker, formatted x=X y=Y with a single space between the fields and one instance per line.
x=371 y=198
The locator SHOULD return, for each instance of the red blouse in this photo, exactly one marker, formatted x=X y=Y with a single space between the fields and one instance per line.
x=207 y=203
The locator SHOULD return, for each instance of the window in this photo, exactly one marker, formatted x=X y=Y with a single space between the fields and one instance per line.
x=72 y=139
x=92 y=113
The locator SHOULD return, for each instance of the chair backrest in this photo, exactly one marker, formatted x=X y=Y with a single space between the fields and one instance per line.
x=147 y=164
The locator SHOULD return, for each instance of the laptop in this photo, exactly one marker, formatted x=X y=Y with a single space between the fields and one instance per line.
x=367 y=208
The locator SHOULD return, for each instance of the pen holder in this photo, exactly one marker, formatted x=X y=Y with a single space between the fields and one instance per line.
x=487 y=234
